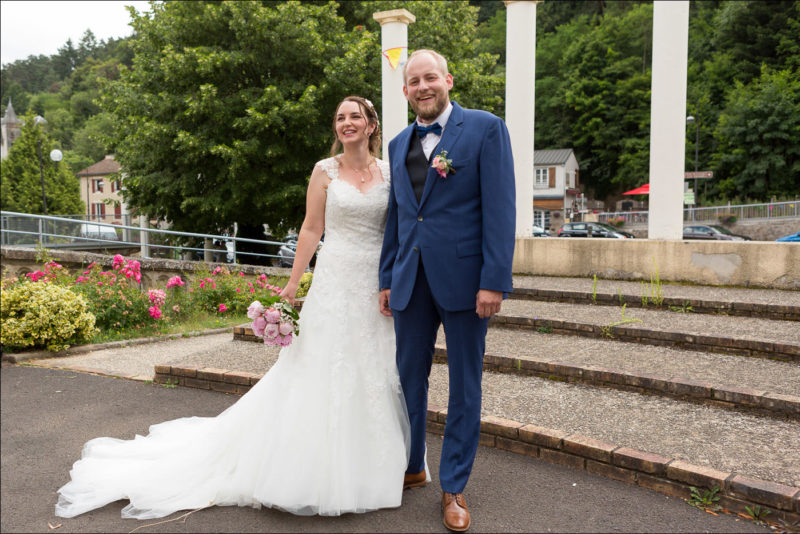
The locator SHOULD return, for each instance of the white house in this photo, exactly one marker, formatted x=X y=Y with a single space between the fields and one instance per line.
x=556 y=181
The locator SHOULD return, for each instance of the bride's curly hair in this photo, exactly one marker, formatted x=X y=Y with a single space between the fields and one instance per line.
x=368 y=110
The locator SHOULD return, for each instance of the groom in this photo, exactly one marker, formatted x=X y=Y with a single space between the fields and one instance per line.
x=446 y=259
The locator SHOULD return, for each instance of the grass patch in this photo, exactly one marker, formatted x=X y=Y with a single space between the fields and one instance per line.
x=200 y=321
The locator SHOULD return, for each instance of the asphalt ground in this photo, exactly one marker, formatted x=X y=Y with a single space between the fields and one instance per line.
x=47 y=415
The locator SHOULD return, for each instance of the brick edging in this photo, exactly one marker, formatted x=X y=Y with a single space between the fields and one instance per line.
x=669 y=476
x=682 y=388
x=18 y=357
x=739 y=347
x=745 y=309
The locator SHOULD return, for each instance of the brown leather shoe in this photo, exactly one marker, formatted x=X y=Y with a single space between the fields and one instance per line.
x=456 y=515
x=415 y=480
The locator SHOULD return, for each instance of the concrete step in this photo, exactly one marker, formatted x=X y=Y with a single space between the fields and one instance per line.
x=645 y=300
x=671 y=290
x=746 y=336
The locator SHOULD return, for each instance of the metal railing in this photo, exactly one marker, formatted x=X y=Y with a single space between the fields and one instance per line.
x=77 y=233
x=715 y=214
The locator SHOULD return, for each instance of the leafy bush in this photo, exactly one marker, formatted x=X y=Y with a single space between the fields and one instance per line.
x=727 y=218
x=114 y=296
x=617 y=222
x=304 y=285
x=220 y=291
x=44 y=315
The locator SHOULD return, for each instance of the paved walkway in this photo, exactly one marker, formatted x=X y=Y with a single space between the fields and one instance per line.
x=48 y=414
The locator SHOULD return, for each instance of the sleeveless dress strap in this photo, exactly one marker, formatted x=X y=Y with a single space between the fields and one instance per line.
x=331 y=167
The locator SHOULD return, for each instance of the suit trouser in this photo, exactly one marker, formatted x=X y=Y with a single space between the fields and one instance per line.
x=416 y=328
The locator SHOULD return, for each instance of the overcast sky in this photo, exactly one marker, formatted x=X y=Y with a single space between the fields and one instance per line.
x=41 y=27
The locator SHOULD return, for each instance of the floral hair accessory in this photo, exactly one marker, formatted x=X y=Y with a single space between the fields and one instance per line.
x=442 y=164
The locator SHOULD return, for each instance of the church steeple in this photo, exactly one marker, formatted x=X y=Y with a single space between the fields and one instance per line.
x=9 y=117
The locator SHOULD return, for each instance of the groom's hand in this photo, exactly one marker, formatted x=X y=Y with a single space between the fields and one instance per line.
x=384 y=302
x=488 y=302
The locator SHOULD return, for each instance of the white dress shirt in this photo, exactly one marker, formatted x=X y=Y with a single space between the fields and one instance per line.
x=430 y=141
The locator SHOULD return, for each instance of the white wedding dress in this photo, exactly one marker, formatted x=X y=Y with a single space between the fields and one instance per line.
x=324 y=432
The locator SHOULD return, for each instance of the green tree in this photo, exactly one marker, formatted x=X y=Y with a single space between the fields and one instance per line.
x=758 y=155
x=21 y=178
x=228 y=105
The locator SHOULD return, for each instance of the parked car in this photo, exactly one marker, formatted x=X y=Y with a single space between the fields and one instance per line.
x=538 y=231
x=592 y=229
x=712 y=231
x=97 y=231
x=287 y=251
x=791 y=237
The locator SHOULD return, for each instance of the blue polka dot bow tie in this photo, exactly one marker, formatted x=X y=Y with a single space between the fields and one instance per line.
x=434 y=128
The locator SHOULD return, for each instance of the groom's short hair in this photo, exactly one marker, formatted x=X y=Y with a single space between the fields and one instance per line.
x=441 y=62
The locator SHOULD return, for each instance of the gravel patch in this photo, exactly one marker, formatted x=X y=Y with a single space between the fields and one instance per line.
x=690 y=323
x=762 y=447
x=689 y=292
x=719 y=369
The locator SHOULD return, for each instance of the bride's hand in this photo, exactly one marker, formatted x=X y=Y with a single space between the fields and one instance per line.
x=289 y=293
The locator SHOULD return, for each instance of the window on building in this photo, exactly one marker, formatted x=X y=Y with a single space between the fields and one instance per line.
x=98 y=210
x=97 y=185
x=541 y=178
x=541 y=218
x=115 y=186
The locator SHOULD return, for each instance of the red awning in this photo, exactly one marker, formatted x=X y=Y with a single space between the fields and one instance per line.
x=643 y=190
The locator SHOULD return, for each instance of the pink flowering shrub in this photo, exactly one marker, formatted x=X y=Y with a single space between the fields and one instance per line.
x=232 y=290
x=115 y=297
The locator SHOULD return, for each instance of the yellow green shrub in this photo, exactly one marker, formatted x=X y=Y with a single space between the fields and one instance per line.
x=304 y=285
x=35 y=314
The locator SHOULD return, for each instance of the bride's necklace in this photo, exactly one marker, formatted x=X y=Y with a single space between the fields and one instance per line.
x=361 y=175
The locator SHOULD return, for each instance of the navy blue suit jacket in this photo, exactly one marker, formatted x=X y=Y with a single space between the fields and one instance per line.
x=464 y=225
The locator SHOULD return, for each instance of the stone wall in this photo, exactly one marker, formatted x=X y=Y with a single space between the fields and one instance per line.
x=17 y=261
x=738 y=263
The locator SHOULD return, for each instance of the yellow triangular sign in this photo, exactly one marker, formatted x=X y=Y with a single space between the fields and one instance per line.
x=393 y=55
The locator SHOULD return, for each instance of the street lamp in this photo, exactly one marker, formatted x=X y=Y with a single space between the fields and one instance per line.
x=56 y=156
x=689 y=120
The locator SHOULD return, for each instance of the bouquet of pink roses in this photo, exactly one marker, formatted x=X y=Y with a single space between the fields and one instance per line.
x=276 y=323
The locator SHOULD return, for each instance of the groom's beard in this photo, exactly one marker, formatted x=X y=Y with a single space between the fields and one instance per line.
x=428 y=110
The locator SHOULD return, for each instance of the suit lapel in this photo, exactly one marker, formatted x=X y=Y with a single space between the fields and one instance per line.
x=452 y=131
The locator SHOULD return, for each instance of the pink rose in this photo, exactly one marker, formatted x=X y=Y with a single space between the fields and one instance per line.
x=270 y=341
x=272 y=315
x=223 y=308
x=286 y=328
x=271 y=331
x=286 y=340
x=258 y=325
x=256 y=309
x=155 y=312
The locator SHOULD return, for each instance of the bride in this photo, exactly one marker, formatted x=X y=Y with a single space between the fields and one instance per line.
x=326 y=430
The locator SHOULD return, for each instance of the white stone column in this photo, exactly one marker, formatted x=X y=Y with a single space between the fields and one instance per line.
x=394 y=49
x=144 y=237
x=668 y=118
x=520 y=93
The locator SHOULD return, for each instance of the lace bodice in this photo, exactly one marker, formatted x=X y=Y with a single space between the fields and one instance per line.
x=354 y=221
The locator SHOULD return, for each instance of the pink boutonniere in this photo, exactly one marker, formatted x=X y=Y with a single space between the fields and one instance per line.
x=442 y=164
